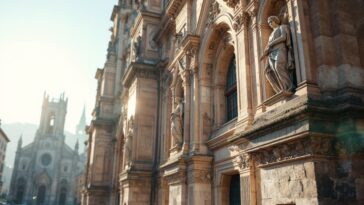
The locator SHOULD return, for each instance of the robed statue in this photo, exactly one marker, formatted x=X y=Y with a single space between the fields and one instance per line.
x=177 y=122
x=280 y=66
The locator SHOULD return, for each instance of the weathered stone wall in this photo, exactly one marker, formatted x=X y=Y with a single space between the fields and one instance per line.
x=288 y=183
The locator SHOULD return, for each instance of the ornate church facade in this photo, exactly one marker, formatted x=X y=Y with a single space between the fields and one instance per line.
x=45 y=170
x=230 y=102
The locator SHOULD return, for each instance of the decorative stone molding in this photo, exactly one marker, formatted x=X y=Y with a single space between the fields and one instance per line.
x=309 y=146
x=139 y=70
x=213 y=12
x=176 y=178
x=252 y=8
x=242 y=160
x=192 y=54
x=240 y=20
x=199 y=176
x=173 y=6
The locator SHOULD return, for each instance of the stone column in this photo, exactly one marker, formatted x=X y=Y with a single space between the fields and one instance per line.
x=244 y=73
x=260 y=81
x=245 y=166
x=186 y=76
x=199 y=180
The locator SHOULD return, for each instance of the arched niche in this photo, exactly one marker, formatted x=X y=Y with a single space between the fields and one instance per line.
x=177 y=95
x=217 y=50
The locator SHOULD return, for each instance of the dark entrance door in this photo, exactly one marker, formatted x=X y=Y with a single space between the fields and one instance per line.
x=63 y=196
x=234 y=192
x=20 y=194
x=41 y=195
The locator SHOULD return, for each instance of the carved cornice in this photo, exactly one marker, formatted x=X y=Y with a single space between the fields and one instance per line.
x=174 y=6
x=140 y=70
x=189 y=45
x=167 y=26
x=304 y=147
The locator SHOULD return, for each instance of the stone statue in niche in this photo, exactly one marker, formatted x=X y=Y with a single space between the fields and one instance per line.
x=177 y=122
x=128 y=143
x=279 y=69
x=137 y=45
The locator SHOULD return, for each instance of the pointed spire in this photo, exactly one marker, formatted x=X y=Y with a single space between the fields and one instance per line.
x=76 y=146
x=20 y=141
x=80 y=129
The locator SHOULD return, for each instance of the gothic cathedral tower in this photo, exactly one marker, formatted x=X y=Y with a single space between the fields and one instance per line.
x=45 y=170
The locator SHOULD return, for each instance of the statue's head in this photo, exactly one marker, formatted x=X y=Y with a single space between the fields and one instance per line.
x=273 y=21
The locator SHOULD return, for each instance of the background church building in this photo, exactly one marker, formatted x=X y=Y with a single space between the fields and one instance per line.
x=45 y=170
x=229 y=102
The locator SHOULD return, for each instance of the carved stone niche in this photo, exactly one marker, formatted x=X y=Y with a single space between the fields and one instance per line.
x=242 y=160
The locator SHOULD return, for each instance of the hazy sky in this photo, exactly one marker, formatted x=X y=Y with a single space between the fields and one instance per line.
x=53 y=46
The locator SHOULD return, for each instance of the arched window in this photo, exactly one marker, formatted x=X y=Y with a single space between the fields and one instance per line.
x=230 y=91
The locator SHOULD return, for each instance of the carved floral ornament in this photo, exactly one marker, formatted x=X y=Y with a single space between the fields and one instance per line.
x=213 y=12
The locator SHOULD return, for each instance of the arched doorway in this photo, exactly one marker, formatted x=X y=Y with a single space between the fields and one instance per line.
x=63 y=196
x=234 y=190
x=41 y=195
x=20 y=194
x=20 y=190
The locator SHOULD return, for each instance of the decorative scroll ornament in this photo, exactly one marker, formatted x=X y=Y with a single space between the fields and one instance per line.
x=242 y=160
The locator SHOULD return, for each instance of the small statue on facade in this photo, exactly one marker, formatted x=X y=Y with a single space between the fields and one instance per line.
x=137 y=45
x=177 y=122
x=128 y=143
x=280 y=66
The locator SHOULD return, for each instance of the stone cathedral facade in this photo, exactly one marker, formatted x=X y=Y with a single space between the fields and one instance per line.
x=230 y=102
x=45 y=170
